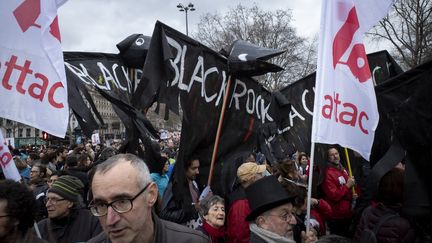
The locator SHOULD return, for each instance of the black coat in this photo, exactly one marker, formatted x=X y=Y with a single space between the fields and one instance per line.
x=79 y=227
x=165 y=231
x=396 y=229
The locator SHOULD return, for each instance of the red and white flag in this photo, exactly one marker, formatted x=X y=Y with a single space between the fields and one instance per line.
x=33 y=86
x=345 y=109
x=8 y=166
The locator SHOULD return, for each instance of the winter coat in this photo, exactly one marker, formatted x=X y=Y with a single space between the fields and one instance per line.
x=161 y=181
x=393 y=230
x=321 y=213
x=215 y=235
x=174 y=211
x=80 y=226
x=237 y=226
x=165 y=231
x=337 y=195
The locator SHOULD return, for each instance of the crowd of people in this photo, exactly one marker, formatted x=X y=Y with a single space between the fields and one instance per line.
x=93 y=194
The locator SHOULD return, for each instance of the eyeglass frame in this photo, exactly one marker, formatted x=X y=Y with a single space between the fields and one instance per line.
x=287 y=216
x=54 y=201
x=93 y=210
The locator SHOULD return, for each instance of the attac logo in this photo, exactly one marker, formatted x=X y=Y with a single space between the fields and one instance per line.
x=28 y=12
x=357 y=61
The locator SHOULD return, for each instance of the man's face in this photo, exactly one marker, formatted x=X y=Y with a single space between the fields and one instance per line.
x=279 y=220
x=57 y=206
x=193 y=170
x=333 y=156
x=132 y=226
x=34 y=172
x=7 y=225
x=64 y=154
x=170 y=144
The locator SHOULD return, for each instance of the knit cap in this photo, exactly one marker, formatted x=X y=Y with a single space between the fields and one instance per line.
x=68 y=187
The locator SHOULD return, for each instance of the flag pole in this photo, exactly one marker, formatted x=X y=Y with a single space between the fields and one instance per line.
x=218 y=132
x=349 y=168
x=309 y=191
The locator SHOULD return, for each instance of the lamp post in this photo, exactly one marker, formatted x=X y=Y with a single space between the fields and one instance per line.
x=182 y=8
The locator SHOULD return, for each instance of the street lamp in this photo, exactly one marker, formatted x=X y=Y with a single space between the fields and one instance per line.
x=182 y=8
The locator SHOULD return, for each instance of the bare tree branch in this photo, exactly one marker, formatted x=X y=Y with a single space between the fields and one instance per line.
x=408 y=28
x=270 y=29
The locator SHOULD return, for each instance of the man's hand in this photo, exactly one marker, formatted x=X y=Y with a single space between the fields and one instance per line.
x=309 y=237
x=351 y=182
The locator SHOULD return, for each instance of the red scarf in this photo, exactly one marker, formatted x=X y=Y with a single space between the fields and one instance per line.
x=214 y=233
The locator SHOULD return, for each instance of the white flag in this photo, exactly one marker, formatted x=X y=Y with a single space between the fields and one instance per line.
x=345 y=109
x=8 y=166
x=33 y=86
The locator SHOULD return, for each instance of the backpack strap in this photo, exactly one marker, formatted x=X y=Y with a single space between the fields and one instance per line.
x=382 y=221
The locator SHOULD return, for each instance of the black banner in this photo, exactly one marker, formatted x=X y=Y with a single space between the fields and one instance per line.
x=86 y=71
x=179 y=70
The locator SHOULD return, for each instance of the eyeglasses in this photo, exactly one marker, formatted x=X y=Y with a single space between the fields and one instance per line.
x=53 y=201
x=100 y=209
x=286 y=216
x=34 y=171
x=51 y=181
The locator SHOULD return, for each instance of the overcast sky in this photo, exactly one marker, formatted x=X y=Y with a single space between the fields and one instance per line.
x=98 y=25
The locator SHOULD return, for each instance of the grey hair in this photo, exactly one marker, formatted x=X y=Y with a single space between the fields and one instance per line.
x=136 y=162
x=207 y=202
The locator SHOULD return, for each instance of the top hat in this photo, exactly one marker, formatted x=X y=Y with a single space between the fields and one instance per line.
x=265 y=194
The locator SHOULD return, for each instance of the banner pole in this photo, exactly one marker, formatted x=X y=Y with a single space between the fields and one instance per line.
x=309 y=191
x=349 y=168
x=218 y=132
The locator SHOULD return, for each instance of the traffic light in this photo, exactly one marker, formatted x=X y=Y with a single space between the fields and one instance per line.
x=45 y=136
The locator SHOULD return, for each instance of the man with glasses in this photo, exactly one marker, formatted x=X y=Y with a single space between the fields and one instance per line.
x=272 y=213
x=67 y=221
x=123 y=197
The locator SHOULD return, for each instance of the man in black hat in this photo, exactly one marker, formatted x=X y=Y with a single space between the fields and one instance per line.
x=272 y=213
x=67 y=221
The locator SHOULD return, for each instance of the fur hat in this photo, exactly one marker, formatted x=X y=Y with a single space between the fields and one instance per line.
x=265 y=194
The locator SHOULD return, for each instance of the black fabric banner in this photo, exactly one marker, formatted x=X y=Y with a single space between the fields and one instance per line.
x=85 y=71
x=106 y=74
x=179 y=70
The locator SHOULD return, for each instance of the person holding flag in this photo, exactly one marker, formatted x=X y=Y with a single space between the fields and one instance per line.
x=337 y=187
x=345 y=107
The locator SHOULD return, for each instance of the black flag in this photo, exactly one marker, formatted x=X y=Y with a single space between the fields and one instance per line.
x=179 y=70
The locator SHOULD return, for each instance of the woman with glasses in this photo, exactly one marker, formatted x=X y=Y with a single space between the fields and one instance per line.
x=213 y=211
x=67 y=221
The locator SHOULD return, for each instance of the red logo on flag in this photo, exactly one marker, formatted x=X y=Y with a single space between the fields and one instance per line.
x=357 y=61
x=28 y=12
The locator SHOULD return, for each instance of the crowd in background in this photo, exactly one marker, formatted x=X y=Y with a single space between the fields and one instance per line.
x=60 y=177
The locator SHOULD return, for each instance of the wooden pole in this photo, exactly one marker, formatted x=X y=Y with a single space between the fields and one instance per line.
x=219 y=130
x=349 y=169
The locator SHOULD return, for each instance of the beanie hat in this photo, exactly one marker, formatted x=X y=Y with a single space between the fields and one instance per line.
x=68 y=187
x=247 y=171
